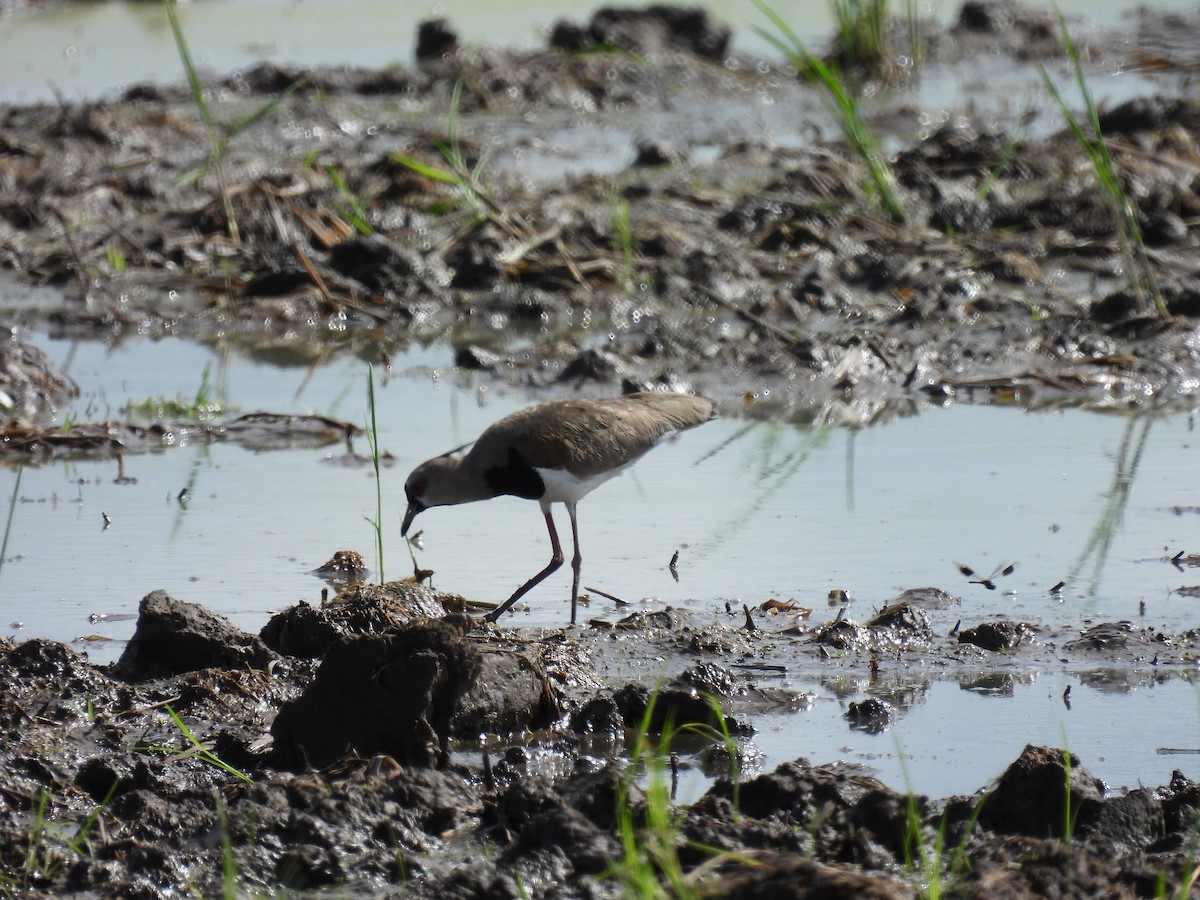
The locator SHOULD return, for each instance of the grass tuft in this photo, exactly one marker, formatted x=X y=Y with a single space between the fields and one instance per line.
x=199 y=750
x=47 y=840
x=202 y=406
x=862 y=29
x=649 y=832
x=1091 y=139
x=840 y=102
x=465 y=179
x=926 y=862
x=217 y=137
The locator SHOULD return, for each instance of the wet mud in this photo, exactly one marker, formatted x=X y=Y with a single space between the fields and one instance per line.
x=372 y=209
x=368 y=747
x=387 y=743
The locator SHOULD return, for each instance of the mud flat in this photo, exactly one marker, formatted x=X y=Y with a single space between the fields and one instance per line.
x=328 y=753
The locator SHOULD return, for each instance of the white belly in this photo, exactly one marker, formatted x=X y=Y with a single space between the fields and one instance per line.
x=563 y=487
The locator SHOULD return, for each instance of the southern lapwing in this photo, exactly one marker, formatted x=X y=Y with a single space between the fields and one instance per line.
x=554 y=453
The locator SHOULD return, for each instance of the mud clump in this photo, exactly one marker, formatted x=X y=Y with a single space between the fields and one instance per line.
x=31 y=385
x=173 y=637
x=354 y=769
x=392 y=694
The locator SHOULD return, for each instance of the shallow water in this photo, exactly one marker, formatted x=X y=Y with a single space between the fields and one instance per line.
x=81 y=50
x=956 y=741
x=758 y=509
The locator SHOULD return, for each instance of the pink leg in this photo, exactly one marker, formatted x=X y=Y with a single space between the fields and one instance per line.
x=576 y=562
x=556 y=560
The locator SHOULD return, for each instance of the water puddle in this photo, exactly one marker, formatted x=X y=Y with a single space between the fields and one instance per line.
x=80 y=50
x=756 y=509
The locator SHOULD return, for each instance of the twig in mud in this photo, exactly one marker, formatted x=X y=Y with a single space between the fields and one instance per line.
x=758 y=321
x=607 y=596
x=568 y=261
x=511 y=257
x=326 y=235
x=152 y=706
x=316 y=277
x=336 y=302
x=419 y=575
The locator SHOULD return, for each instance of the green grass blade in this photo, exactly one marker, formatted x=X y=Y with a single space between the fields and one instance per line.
x=357 y=212
x=189 y=68
x=841 y=105
x=207 y=755
x=373 y=440
x=1129 y=229
x=431 y=172
x=265 y=109
x=12 y=506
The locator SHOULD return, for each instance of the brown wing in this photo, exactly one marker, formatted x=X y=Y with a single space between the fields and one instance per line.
x=591 y=436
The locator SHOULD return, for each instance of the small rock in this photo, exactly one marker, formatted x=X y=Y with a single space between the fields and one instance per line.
x=436 y=39
x=997 y=636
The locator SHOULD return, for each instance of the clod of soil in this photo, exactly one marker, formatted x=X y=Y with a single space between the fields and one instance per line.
x=365 y=788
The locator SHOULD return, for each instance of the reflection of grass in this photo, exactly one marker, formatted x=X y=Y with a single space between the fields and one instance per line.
x=839 y=100
x=1129 y=230
x=12 y=506
x=1100 y=541
x=773 y=467
x=202 y=459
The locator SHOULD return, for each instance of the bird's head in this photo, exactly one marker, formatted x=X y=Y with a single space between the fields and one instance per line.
x=432 y=483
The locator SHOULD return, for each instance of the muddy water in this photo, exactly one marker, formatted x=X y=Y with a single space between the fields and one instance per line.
x=757 y=509
x=82 y=50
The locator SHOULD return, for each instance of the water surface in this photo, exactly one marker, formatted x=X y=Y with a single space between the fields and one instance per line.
x=81 y=50
x=757 y=509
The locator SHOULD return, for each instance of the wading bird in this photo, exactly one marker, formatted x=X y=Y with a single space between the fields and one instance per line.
x=554 y=453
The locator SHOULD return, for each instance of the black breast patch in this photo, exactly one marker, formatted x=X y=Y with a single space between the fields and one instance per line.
x=515 y=477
